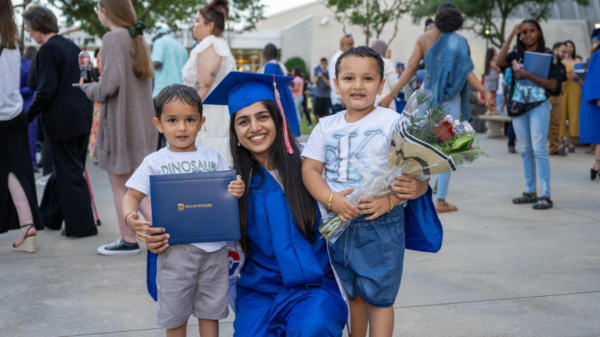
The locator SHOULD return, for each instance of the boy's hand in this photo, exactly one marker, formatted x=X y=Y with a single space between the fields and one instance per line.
x=137 y=227
x=409 y=188
x=237 y=187
x=344 y=208
x=157 y=243
x=375 y=206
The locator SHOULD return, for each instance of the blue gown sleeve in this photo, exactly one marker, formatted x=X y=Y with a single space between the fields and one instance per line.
x=272 y=68
x=295 y=257
x=591 y=89
x=151 y=270
x=424 y=232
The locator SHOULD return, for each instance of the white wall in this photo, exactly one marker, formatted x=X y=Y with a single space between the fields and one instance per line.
x=297 y=41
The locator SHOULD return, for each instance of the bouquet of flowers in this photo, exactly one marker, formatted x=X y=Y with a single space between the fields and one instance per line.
x=426 y=141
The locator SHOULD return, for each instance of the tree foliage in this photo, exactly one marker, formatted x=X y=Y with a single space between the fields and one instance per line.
x=480 y=14
x=176 y=14
x=296 y=61
x=371 y=15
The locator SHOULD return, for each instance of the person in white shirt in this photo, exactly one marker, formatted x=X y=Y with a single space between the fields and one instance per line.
x=341 y=144
x=389 y=72
x=346 y=42
x=191 y=278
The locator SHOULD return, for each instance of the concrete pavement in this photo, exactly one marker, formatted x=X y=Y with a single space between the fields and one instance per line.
x=504 y=270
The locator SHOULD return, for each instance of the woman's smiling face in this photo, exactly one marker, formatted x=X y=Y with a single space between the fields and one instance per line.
x=255 y=130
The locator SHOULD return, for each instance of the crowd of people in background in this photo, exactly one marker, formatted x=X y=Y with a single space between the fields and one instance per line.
x=114 y=115
x=118 y=133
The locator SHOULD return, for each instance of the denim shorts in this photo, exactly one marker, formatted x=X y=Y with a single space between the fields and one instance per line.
x=368 y=257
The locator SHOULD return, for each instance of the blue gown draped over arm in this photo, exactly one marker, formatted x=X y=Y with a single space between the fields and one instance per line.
x=286 y=100
x=589 y=113
x=287 y=286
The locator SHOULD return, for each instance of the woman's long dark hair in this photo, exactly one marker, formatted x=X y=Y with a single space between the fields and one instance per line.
x=489 y=56
x=541 y=48
x=270 y=53
x=574 y=55
x=288 y=168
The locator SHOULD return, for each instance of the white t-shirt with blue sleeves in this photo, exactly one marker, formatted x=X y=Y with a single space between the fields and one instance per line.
x=166 y=161
x=347 y=148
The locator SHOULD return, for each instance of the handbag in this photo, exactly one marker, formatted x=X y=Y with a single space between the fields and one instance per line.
x=424 y=232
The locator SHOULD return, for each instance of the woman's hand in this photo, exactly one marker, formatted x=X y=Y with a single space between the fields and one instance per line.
x=517 y=30
x=344 y=208
x=490 y=100
x=82 y=81
x=137 y=227
x=375 y=206
x=237 y=187
x=386 y=101
x=520 y=73
x=409 y=188
x=157 y=243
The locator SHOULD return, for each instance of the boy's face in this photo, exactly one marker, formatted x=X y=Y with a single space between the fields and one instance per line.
x=359 y=82
x=180 y=124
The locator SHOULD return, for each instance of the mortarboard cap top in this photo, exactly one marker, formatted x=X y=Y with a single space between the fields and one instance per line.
x=239 y=90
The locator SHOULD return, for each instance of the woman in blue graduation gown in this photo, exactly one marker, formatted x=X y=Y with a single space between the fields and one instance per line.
x=287 y=286
x=589 y=112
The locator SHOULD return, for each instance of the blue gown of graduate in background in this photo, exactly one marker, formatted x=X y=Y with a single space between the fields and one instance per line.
x=287 y=286
x=589 y=112
x=287 y=101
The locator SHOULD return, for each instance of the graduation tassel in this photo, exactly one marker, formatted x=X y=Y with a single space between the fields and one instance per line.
x=288 y=146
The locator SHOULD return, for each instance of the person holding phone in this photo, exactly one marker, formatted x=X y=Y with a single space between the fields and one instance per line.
x=530 y=107
x=66 y=118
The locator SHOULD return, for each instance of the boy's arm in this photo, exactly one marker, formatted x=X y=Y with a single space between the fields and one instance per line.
x=316 y=186
x=131 y=204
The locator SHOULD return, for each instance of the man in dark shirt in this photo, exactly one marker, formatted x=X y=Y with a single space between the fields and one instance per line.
x=66 y=116
x=322 y=91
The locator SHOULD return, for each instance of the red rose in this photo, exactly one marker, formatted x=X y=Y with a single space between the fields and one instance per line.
x=444 y=131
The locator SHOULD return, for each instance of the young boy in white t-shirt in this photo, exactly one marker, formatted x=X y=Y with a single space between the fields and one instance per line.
x=192 y=279
x=368 y=256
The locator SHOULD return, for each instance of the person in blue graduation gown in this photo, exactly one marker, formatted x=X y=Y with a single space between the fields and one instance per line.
x=287 y=286
x=273 y=67
x=589 y=112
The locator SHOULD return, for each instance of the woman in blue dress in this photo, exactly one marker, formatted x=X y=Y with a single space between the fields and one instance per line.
x=273 y=67
x=589 y=113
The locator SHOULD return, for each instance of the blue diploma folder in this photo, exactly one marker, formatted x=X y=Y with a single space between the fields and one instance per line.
x=195 y=207
x=579 y=69
x=537 y=64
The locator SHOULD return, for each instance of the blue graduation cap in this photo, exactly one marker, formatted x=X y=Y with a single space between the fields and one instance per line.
x=239 y=90
x=399 y=64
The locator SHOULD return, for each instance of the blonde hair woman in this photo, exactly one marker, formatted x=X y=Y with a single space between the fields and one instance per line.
x=125 y=134
x=210 y=61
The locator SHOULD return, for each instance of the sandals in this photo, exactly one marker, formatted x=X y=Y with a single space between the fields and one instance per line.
x=525 y=199
x=28 y=244
x=441 y=206
x=543 y=203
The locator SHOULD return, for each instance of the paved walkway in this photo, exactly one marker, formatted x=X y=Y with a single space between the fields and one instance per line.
x=504 y=270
